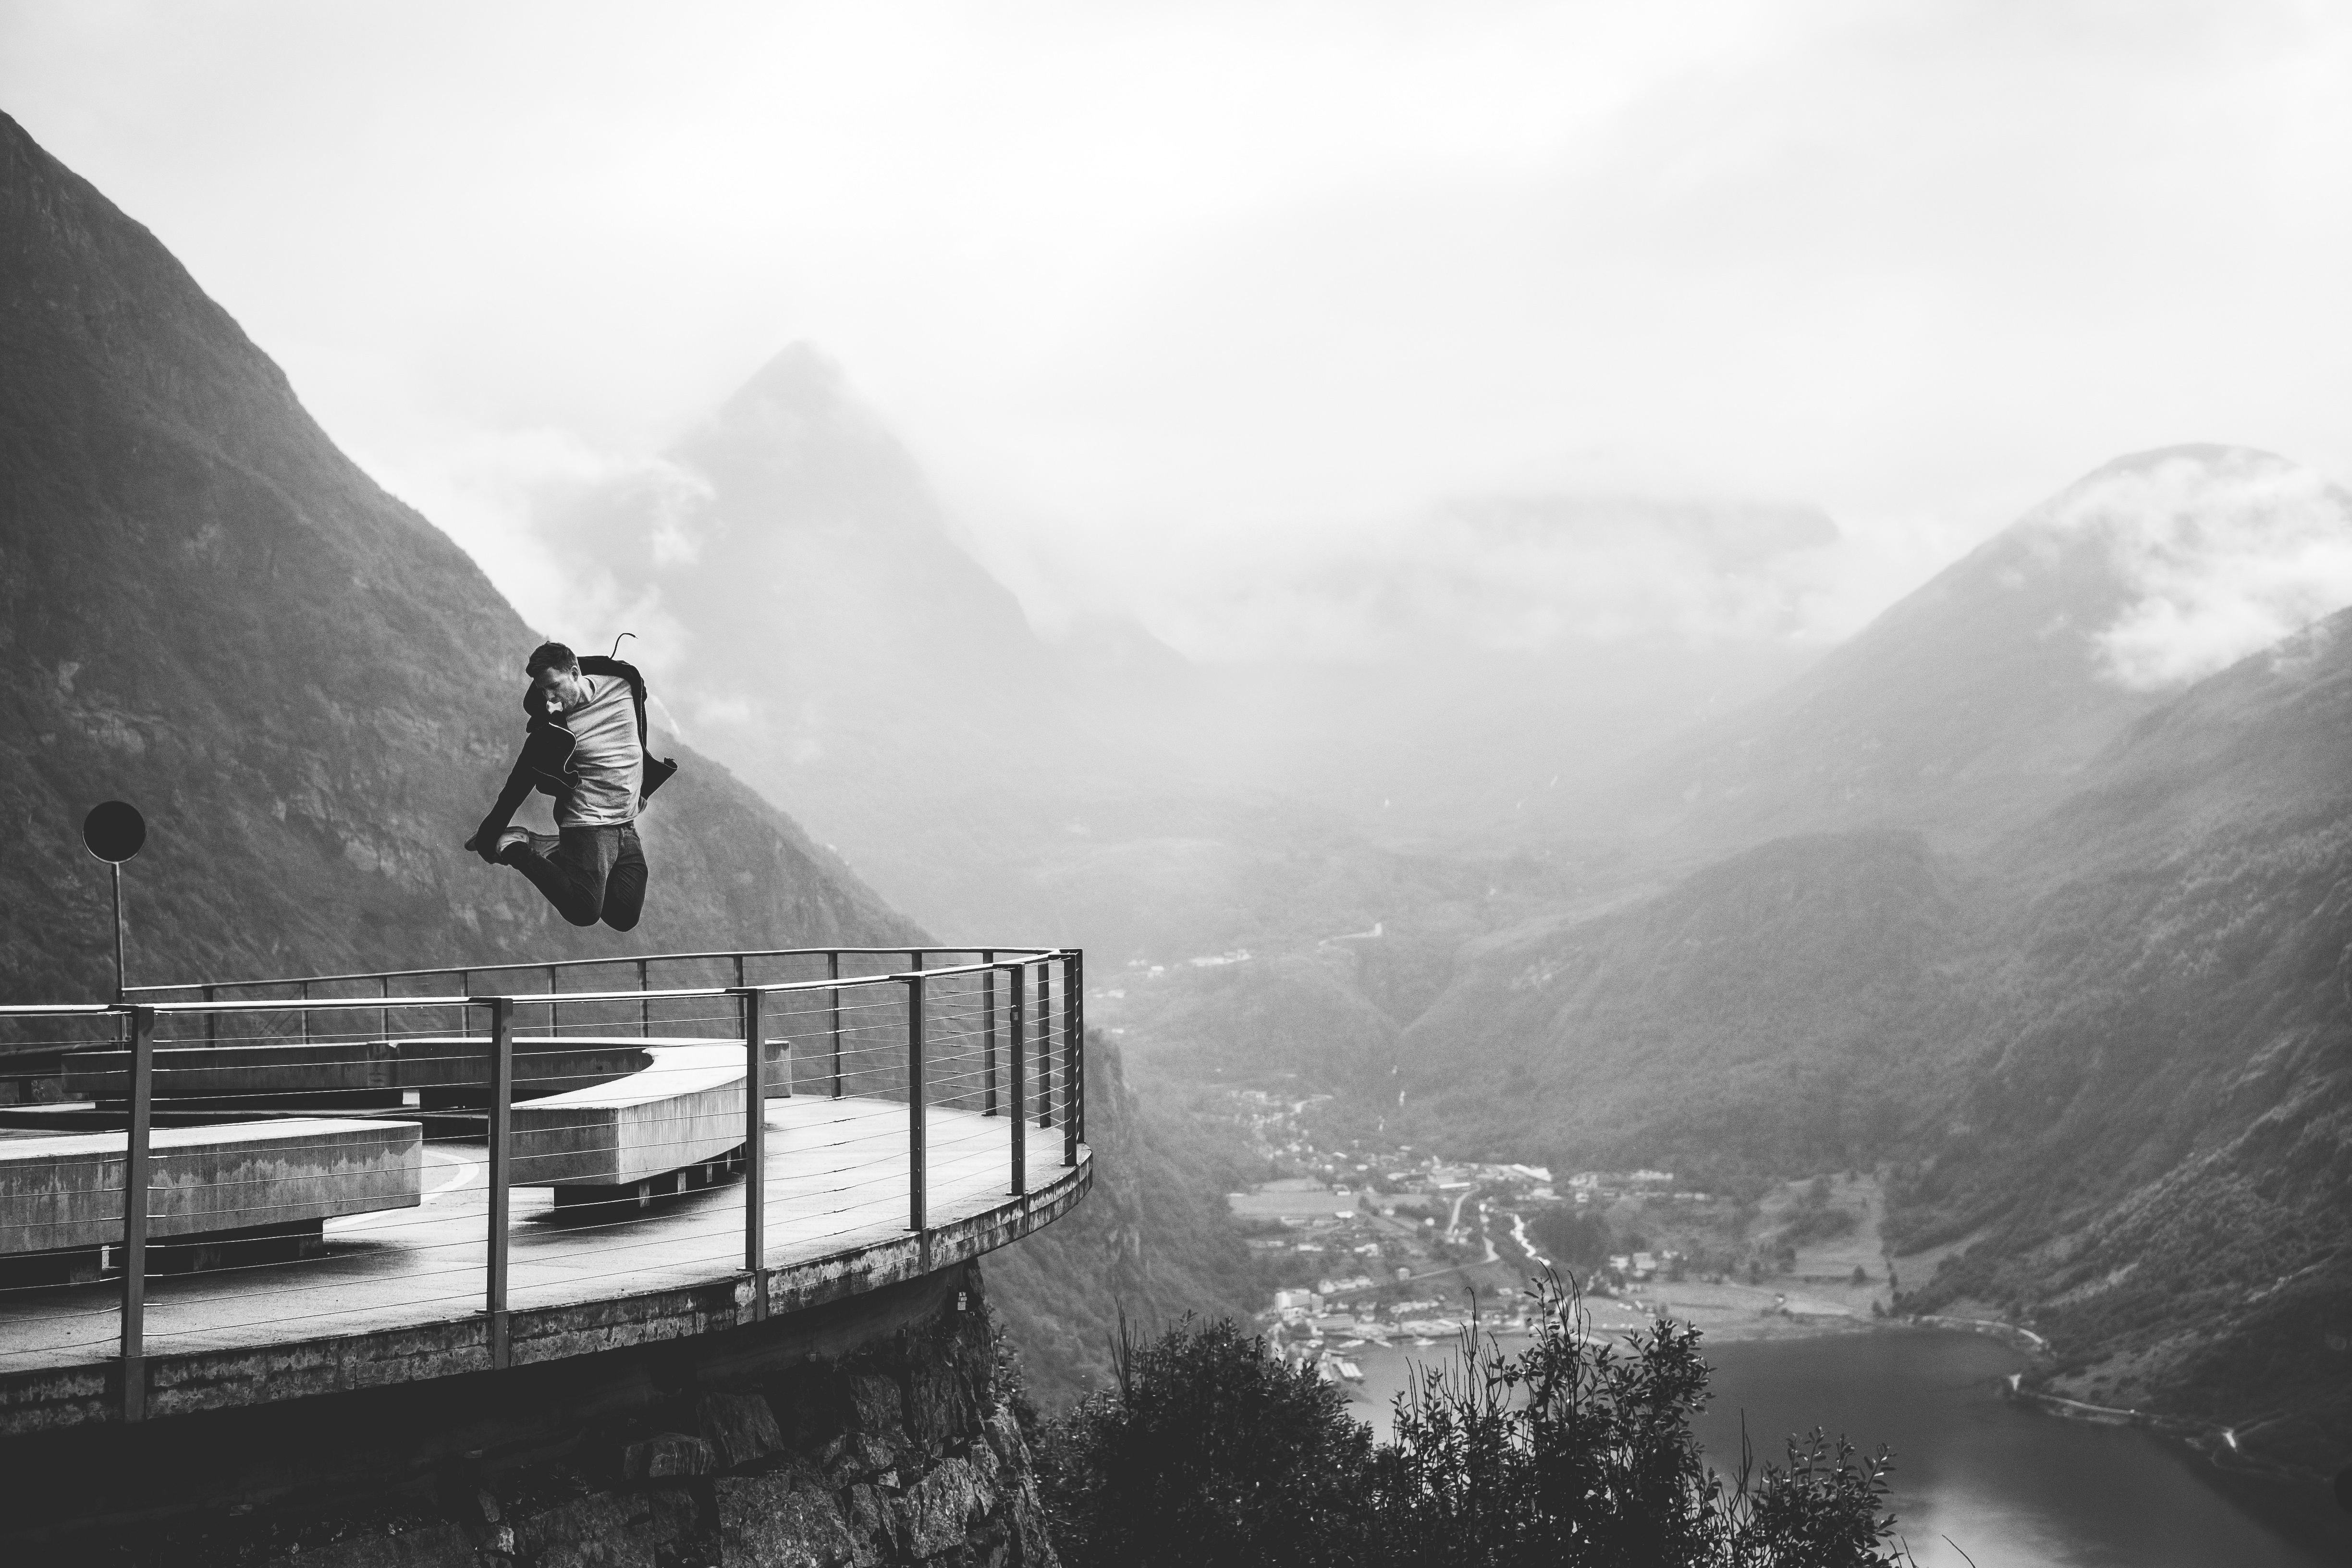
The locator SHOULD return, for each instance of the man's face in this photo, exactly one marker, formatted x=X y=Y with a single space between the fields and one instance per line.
x=563 y=686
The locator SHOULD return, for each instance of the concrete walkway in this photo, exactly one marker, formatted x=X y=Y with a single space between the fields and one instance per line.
x=836 y=1181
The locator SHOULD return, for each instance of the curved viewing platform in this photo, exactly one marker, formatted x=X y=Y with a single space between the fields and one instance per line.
x=343 y=1182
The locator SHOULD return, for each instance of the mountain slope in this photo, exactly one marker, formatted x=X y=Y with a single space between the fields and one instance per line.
x=2155 y=1155
x=1972 y=705
x=310 y=691
x=1768 y=1014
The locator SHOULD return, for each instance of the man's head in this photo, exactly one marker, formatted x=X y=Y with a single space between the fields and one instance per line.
x=555 y=670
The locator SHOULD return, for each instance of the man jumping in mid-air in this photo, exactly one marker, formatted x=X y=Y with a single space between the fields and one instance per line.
x=586 y=747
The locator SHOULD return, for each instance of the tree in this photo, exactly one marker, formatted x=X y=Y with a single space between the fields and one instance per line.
x=1207 y=1451
x=1575 y=1454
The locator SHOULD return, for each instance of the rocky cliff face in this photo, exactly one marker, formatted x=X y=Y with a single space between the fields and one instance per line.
x=313 y=693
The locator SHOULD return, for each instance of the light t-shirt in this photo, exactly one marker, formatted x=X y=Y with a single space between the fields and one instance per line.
x=612 y=761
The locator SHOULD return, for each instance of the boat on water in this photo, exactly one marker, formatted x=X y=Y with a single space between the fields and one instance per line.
x=1423 y=1340
x=1351 y=1372
x=1351 y=1344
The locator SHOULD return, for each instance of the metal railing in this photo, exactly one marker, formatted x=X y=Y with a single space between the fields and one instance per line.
x=976 y=1043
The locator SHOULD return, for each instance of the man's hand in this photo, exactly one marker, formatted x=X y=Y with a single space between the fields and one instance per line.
x=485 y=843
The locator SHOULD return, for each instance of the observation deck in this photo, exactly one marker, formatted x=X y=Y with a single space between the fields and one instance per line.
x=272 y=1189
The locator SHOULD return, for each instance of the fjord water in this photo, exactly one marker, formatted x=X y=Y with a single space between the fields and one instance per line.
x=2014 y=1487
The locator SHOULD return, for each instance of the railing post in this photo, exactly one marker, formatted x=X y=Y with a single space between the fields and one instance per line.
x=645 y=1005
x=988 y=1032
x=1044 y=1043
x=141 y=1027
x=306 y=1014
x=1071 y=1091
x=554 y=1009
x=502 y=1173
x=833 y=972
x=212 y=1021
x=466 y=1014
x=383 y=1013
x=755 y=1152
x=1018 y=1081
x=1078 y=1001
x=916 y=1126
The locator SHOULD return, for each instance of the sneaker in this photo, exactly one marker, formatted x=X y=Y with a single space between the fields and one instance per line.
x=508 y=840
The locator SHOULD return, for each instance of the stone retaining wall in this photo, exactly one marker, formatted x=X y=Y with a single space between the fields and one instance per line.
x=904 y=1450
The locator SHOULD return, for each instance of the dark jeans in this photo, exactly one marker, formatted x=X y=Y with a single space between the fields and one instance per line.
x=588 y=873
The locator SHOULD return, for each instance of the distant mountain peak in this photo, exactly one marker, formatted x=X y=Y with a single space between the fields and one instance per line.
x=801 y=380
x=1968 y=707
x=793 y=445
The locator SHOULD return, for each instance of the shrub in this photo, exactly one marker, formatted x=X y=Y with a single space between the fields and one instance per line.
x=1206 y=1451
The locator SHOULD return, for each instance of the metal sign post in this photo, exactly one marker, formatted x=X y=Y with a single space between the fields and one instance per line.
x=114 y=832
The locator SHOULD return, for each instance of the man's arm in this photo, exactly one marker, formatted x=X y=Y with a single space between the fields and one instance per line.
x=485 y=841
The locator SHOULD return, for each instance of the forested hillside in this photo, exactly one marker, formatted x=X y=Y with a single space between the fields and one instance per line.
x=2154 y=1155
x=1777 y=1012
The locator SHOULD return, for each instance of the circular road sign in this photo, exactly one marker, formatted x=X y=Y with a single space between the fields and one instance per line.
x=114 y=830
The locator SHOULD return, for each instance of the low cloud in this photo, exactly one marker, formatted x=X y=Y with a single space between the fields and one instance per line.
x=495 y=493
x=1523 y=574
x=2221 y=554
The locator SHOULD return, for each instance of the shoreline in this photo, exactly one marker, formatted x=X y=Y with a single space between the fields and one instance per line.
x=2211 y=1441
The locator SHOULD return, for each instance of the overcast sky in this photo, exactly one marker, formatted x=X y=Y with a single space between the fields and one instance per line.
x=1153 y=288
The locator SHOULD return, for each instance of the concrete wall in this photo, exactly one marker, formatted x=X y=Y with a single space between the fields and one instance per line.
x=453 y=1069
x=65 y=1190
x=235 y=1072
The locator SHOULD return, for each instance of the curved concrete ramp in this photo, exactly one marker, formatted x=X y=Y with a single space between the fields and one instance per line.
x=683 y=1110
